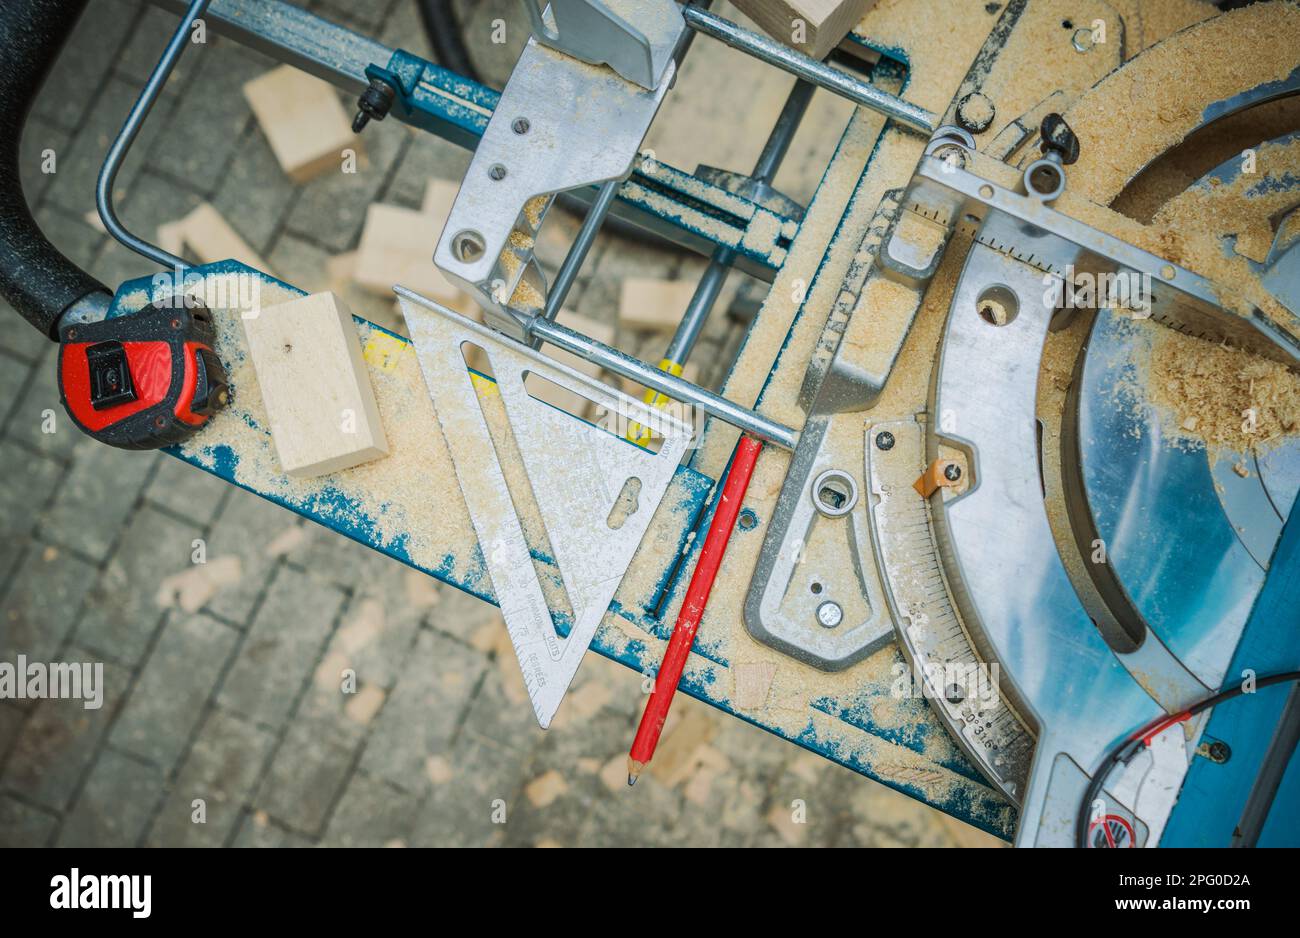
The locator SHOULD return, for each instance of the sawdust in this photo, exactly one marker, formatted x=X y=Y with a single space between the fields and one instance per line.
x=1223 y=397
x=1144 y=109
x=408 y=502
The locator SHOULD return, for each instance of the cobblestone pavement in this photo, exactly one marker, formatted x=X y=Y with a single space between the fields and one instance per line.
x=235 y=704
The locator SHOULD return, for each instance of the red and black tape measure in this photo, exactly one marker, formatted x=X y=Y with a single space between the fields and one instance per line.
x=143 y=381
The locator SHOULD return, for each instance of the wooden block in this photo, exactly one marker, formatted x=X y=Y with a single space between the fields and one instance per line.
x=439 y=195
x=340 y=271
x=303 y=120
x=397 y=246
x=648 y=305
x=814 y=27
x=315 y=387
x=209 y=236
x=171 y=237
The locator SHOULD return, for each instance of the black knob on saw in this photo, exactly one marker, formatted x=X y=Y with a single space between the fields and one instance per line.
x=375 y=101
x=1058 y=138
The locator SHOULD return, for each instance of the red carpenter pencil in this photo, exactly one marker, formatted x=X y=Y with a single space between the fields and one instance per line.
x=697 y=596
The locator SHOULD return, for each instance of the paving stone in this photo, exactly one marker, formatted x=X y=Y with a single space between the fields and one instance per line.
x=377 y=631
x=96 y=497
x=74 y=188
x=11 y=721
x=331 y=209
x=428 y=157
x=153 y=199
x=258 y=830
x=115 y=804
x=467 y=809
x=85 y=62
x=26 y=483
x=422 y=714
x=372 y=813
x=281 y=649
x=22 y=825
x=307 y=775
x=246 y=525
x=222 y=767
x=501 y=711
x=149 y=37
x=41 y=605
x=122 y=610
x=173 y=690
x=60 y=739
x=214 y=113
x=116 y=264
x=22 y=342
x=13 y=378
x=253 y=193
x=72 y=234
x=39 y=411
x=42 y=142
x=331 y=557
x=186 y=490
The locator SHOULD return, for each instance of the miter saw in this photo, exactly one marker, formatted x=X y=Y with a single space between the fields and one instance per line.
x=972 y=473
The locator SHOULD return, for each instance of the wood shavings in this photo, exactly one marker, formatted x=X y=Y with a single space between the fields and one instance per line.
x=1220 y=396
x=363 y=706
x=545 y=789
x=191 y=589
x=1249 y=46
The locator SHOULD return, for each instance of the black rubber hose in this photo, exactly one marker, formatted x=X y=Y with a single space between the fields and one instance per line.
x=444 y=37
x=34 y=276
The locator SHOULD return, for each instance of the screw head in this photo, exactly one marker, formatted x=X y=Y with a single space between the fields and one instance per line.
x=884 y=440
x=952 y=472
x=829 y=614
x=1220 y=751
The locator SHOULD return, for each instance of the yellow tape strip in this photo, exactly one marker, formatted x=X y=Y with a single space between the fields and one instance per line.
x=641 y=435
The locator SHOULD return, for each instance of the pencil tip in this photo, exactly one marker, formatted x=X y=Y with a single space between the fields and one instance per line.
x=631 y=779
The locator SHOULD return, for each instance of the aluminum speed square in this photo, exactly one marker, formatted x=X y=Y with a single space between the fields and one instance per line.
x=594 y=491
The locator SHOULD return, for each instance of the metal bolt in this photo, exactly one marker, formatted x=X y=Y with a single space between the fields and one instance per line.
x=1219 y=752
x=497 y=172
x=375 y=101
x=952 y=472
x=829 y=614
x=884 y=440
x=521 y=125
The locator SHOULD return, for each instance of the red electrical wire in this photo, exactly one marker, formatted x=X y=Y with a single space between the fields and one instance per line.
x=697 y=596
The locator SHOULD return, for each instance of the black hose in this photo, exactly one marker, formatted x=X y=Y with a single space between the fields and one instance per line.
x=34 y=276
x=445 y=38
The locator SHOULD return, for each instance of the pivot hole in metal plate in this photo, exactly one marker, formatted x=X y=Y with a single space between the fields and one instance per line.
x=997 y=305
x=468 y=246
x=834 y=493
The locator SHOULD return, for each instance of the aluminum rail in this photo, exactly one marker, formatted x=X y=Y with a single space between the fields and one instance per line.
x=811 y=70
